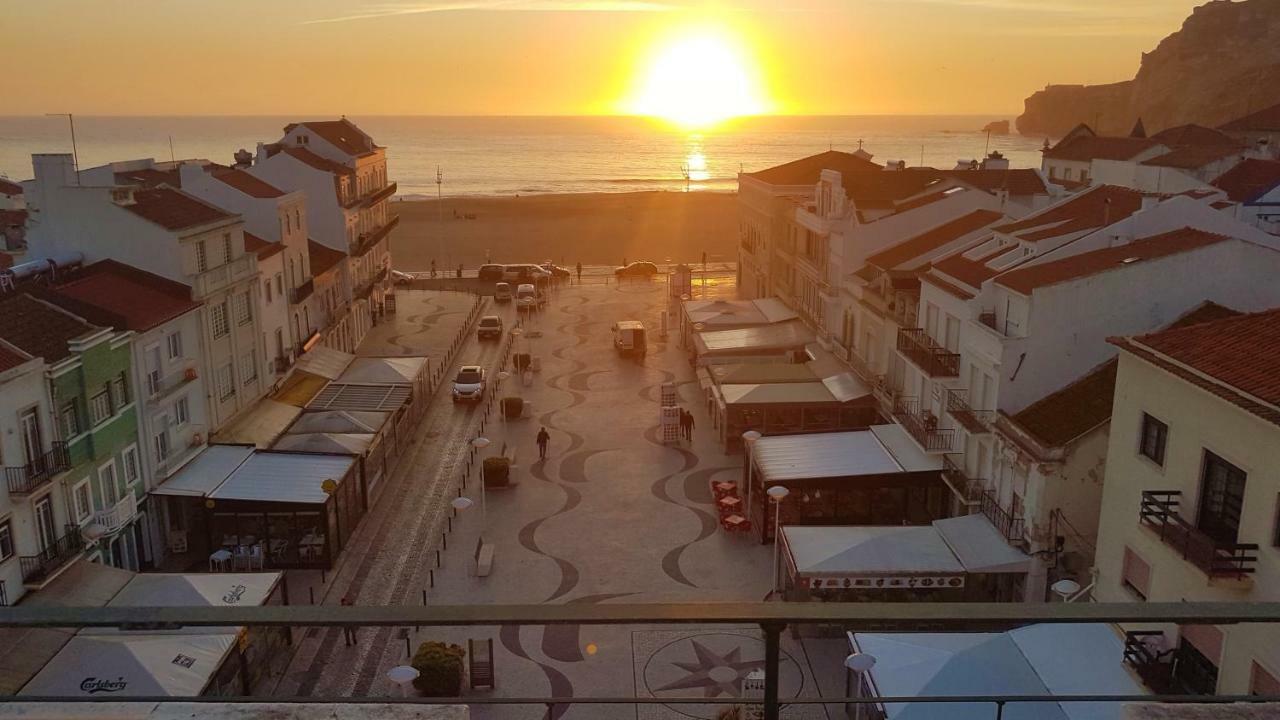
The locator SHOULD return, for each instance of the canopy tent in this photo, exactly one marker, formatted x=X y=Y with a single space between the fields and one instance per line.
x=373 y=398
x=721 y=314
x=194 y=590
x=775 y=339
x=298 y=389
x=384 y=371
x=324 y=361
x=284 y=477
x=757 y=373
x=339 y=443
x=871 y=557
x=905 y=450
x=261 y=425
x=207 y=471
x=1077 y=659
x=338 y=421
x=846 y=387
x=980 y=546
x=831 y=455
x=131 y=665
x=794 y=393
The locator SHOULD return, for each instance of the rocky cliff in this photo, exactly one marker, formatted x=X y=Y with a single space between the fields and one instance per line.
x=1222 y=64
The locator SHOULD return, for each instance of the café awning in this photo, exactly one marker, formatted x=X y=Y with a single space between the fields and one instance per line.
x=207 y=471
x=980 y=546
x=325 y=362
x=872 y=558
x=284 y=477
x=338 y=421
x=832 y=455
x=384 y=370
x=340 y=443
x=372 y=398
x=776 y=394
x=108 y=667
x=774 y=339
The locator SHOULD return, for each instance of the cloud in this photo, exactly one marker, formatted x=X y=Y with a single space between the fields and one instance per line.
x=435 y=6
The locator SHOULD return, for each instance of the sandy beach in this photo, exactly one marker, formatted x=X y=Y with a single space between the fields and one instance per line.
x=597 y=228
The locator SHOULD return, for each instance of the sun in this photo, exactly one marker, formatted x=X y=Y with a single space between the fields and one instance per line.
x=696 y=80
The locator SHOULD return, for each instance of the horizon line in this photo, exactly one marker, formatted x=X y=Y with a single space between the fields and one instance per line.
x=519 y=116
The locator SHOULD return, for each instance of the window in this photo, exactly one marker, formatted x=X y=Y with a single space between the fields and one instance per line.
x=266 y=290
x=181 y=411
x=1221 y=498
x=1135 y=574
x=244 y=308
x=132 y=473
x=220 y=327
x=82 y=501
x=6 y=540
x=70 y=421
x=1154 y=436
x=99 y=408
x=280 y=281
x=202 y=258
x=110 y=489
x=160 y=445
x=119 y=392
x=226 y=247
x=297 y=219
x=226 y=382
x=249 y=367
x=174 y=342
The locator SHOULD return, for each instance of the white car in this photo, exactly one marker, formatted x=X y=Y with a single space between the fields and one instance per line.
x=469 y=384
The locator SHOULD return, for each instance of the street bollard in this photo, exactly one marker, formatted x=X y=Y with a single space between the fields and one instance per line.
x=437 y=558
x=444 y=541
x=407 y=652
x=312 y=592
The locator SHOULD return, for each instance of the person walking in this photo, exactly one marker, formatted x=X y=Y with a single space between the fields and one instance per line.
x=348 y=632
x=684 y=424
x=579 y=268
x=688 y=429
x=433 y=267
x=543 y=438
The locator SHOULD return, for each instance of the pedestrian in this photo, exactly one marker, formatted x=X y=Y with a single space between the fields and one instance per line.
x=579 y=273
x=348 y=632
x=684 y=424
x=543 y=438
x=433 y=267
x=459 y=270
x=688 y=430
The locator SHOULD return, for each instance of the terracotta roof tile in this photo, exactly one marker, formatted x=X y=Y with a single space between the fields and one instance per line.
x=342 y=134
x=972 y=272
x=307 y=157
x=9 y=188
x=1065 y=415
x=1095 y=208
x=322 y=258
x=1265 y=120
x=1090 y=147
x=39 y=328
x=1018 y=181
x=248 y=184
x=1194 y=157
x=1184 y=135
x=918 y=247
x=1027 y=279
x=947 y=287
x=1249 y=180
x=124 y=296
x=262 y=248
x=806 y=171
x=174 y=209
x=11 y=357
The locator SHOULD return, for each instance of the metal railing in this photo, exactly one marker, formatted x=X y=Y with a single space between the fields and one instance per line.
x=771 y=618
x=975 y=421
x=1155 y=667
x=61 y=551
x=968 y=489
x=25 y=479
x=923 y=426
x=1159 y=511
x=118 y=515
x=159 y=386
x=367 y=240
x=1011 y=527
x=933 y=359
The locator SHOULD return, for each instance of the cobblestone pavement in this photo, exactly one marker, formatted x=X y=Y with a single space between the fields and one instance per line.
x=612 y=515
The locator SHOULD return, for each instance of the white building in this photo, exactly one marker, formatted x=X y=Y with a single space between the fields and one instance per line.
x=344 y=175
x=1253 y=190
x=101 y=213
x=1189 y=510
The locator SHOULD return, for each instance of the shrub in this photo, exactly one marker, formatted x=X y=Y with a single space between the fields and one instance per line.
x=497 y=471
x=512 y=407
x=440 y=668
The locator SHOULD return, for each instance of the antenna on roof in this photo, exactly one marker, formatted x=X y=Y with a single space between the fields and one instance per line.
x=987 y=150
x=75 y=156
x=171 y=158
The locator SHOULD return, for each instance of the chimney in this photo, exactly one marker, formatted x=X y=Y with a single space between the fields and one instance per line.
x=53 y=170
x=243 y=159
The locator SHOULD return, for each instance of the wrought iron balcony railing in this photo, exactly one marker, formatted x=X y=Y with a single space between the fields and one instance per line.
x=967 y=489
x=933 y=359
x=1011 y=527
x=26 y=479
x=977 y=422
x=1144 y=652
x=1159 y=511
x=35 y=568
x=922 y=425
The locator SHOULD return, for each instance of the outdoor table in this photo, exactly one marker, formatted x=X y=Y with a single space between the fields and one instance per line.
x=725 y=488
x=729 y=501
x=219 y=559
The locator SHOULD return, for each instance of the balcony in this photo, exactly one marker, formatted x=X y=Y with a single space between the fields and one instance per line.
x=160 y=386
x=186 y=441
x=1217 y=559
x=116 y=517
x=26 y=479
x=366 y=287
x=1012 y=528
x=966 y=489
x=922 y=425
x=215 y=279
x=1144 y=652
x=977 y=422
x=1007 y=328
x=932 y=359
x=43 y=565
x=299 y=294
x=368 y=240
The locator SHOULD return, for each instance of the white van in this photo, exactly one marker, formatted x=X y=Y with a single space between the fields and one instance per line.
x=502 y=292
x=526 y=297
x=628 y=337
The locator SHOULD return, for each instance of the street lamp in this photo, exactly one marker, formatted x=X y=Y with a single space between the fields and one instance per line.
x=860 y=663
x=777 y=494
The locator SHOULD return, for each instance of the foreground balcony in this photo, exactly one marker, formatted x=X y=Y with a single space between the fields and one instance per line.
x=26 y=479
x=922 y=425
x=933 y=359
x=1216 y=558
x=45 y=564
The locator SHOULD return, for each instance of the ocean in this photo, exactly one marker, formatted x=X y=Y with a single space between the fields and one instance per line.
x=534 y=155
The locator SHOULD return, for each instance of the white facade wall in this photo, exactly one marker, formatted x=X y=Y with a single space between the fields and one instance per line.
x=277 y=332
x=1198 y=421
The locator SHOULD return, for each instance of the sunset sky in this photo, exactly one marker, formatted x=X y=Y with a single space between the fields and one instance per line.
x=566 y=57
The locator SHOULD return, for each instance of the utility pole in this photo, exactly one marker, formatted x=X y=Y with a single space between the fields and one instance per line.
x=439 y=210
x=75 y=155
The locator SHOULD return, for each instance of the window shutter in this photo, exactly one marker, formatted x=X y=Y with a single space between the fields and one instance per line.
x=1205 y=638
x=1136 y=572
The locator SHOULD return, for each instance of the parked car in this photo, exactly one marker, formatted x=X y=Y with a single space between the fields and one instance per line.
x=637 y=270
x=490 y=327
x=502 y=292
x=524 y=272
x=401 y=278
x=468 y=385
x=555 y=270
x=526 y=297
x=490 y=272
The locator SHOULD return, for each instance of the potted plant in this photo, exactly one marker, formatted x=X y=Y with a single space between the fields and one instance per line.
x=512 y=407
x=439 y=667
x=497 y=471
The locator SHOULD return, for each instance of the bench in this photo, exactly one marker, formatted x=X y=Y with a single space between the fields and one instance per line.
x=484 y=558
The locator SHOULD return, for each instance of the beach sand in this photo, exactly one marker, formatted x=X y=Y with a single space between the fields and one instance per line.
x=591 y=228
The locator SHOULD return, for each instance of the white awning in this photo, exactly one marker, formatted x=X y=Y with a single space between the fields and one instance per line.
x=261 y=425
x=324 y=361
x=207 y=471
x=980 y=547
x=846 y=386
x=340 y=443
x=822 y=455
x=109 y=667
x=384 y=370
x=284 y=477
x=763 y=339
x=873 y=558
x=776 y=393
x=339 y=421
x=904 y=449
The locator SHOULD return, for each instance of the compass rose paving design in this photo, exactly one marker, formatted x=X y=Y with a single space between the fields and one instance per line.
x=715 y=665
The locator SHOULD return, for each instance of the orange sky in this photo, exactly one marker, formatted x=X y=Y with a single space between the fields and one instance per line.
x=557 y=57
